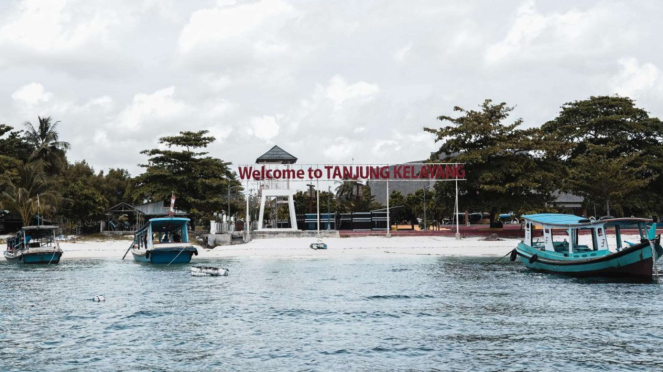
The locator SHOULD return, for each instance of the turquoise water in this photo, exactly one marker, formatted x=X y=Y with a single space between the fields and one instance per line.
x=412 y=313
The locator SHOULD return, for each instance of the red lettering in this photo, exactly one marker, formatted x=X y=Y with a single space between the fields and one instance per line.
x=451 y=171
x=329 y=170
x=245 y=172
x=256 y=174
x=384 y=173
x=406 y=172
x=397 y=172
x=337 y=172
x=439 y=172
x=374 y=173
x=460 y=171
x=363 y=172
x=300 y=174
x=269 y=174
x=423 y=173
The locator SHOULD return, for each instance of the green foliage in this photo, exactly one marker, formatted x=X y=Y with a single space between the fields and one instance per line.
x=327 y=201
x=13 y=150
x=200 y=182
x=29 y=193
x=82 y=202
x=116 y=186
x=506 y=167
x=613 y=152
x=45 y=145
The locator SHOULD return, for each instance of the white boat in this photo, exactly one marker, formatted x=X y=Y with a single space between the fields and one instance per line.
x=208 y=271
x=318 y=245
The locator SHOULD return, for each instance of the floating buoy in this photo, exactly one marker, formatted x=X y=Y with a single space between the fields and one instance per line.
x=99 y=298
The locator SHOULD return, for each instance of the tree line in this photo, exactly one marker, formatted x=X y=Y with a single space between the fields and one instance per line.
x=604 y=149
x=38 y=181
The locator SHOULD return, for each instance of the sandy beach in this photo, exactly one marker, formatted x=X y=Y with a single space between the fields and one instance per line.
x=299 y=247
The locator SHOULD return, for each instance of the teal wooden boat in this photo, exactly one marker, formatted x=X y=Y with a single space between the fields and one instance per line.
x=34 y=245
x=163 y=241
x=577 y=246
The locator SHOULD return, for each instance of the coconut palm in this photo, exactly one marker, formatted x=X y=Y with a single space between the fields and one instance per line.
x=46 y=145
x=28 y=191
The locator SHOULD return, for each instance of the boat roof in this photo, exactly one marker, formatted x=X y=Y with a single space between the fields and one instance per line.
x=42 y=227
x=566 y=220
x=165 y=223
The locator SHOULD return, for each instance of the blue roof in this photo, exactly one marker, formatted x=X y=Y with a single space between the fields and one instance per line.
x=556 y=219
x=165 y=223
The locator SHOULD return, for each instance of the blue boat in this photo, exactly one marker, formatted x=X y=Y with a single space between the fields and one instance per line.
x=163 y=241
x=34 y=245
x=577 y=246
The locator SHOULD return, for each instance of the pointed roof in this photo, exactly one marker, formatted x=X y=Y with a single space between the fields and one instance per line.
x=276 y=155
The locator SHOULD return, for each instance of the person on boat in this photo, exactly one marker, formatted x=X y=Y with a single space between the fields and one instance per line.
x=177 y=238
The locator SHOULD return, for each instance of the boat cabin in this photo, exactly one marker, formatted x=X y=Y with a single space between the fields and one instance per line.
x=159 y=231
x=32 y=237
x=576 y=236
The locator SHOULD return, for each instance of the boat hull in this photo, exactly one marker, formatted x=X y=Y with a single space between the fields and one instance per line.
x=170 y=255
x=635 y=261
x=35 y=258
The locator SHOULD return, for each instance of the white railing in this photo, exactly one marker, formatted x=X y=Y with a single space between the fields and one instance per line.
x=221 y=227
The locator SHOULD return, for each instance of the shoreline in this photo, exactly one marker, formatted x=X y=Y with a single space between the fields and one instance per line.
x=299 y=248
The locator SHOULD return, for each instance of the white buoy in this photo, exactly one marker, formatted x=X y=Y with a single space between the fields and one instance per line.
x=99 y=298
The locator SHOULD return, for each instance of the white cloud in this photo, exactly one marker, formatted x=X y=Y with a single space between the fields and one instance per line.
x=264 y=127
x=233 y=23
x=339 y=91
x=402 y=53
x=31 y=94
x=635 y=78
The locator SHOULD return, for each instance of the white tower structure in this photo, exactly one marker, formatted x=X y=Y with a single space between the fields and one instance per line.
x=276 y=190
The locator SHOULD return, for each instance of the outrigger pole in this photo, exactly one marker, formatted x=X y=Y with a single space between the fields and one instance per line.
x=457 y=212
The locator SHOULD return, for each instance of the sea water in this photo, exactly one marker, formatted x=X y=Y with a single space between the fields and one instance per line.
x=349 y=313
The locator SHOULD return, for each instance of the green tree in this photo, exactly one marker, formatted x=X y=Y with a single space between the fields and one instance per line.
x=46 y=146
x=199 y=181
x=29 y=193
x=13 y=149
x=82 y=202
x=608 y=137
x=506 y=167
x=116 y=186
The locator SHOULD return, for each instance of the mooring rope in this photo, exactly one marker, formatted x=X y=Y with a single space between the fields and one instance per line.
x=181 y=250
x=501 y=257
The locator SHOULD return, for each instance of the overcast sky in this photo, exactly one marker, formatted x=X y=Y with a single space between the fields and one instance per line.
x=328 y=81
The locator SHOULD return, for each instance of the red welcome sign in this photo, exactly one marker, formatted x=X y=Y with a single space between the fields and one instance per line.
x=400 y=172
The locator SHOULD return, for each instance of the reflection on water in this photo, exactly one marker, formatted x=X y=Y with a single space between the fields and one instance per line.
x=420 y=313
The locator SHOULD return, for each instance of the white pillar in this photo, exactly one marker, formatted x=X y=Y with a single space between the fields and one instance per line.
x=317 y=191
x=247 y=228
x=293 y=216
x=457 y=211
x=261 y=215
x=388 y=222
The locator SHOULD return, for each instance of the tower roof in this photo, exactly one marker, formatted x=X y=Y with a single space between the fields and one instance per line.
x=276 y=155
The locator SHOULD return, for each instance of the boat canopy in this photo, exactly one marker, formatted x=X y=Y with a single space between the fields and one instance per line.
x=44 y=227
x=165 y=224
x=569 y=220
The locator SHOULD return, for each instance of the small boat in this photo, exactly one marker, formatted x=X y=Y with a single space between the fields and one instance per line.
x=318 y=245
x=163 y=241
x=34 y=245
x=561 y=251
x=208 y=271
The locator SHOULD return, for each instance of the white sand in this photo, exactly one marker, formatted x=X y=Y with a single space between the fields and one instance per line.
x=299 y=247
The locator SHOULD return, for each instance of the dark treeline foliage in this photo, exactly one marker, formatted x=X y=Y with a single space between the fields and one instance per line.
x=199 y=182
x=603 y=148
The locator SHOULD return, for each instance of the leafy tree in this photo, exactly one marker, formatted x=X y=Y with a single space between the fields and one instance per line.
x=13 y=148
x=30 y=190
x=604 y=179
x=116 y=186
x=199 y=181
x=46 y=146
x=506 y=167
x=82 y=202
x=620 y=140
x=301 y=199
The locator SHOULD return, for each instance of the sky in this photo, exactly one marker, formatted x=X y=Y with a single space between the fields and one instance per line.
x=331 y=82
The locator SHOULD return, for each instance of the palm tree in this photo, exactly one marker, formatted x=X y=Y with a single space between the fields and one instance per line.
x=25 y=193
x=45 y=144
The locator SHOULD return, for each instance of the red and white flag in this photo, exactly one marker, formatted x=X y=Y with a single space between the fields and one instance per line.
x=172 y=206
